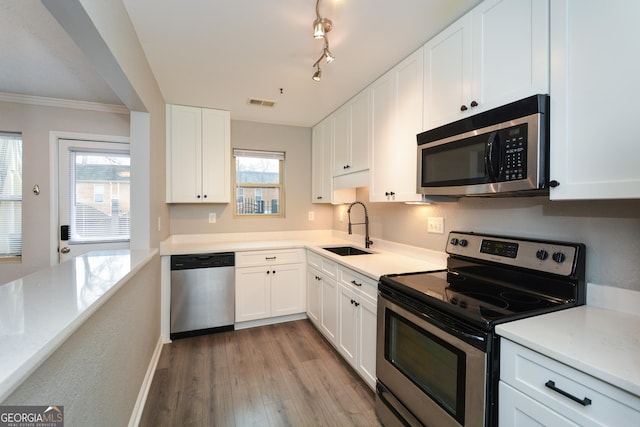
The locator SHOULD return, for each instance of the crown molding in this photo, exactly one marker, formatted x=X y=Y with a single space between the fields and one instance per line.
x=63 y=103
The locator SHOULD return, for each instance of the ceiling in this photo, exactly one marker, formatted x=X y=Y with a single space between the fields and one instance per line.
x=220 y=53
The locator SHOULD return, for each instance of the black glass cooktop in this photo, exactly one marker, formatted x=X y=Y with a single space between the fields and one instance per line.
x=479 y=301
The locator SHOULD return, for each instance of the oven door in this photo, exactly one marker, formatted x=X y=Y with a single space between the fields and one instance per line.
x=427 y=376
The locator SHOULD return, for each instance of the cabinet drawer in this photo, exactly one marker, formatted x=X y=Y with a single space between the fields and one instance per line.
x=280 y=256
x=322 y=264
x=362 y=283
x=537 y=375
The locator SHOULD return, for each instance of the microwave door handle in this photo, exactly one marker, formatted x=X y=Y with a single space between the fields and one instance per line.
x=489 y=153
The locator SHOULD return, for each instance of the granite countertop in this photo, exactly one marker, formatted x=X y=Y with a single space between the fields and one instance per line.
x=601 y=342
x=40 y=311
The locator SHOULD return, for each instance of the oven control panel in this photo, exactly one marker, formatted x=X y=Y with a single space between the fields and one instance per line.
x=546 y=256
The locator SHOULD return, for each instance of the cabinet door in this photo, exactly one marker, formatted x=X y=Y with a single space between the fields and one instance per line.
x=184 y=149
x=329 y=319
x=360 y=131
x=216 y=156
x=510 y=51
x=381 y=174
x=594 y=107
x=447 y=70
x=342 y=141
x=252 y=293
x=367 y=319
x=322 y=161
x=347 y=325
x=408 y=88
x=397 y=119
x=314 y=296
x=288 y=290
x=519 y=410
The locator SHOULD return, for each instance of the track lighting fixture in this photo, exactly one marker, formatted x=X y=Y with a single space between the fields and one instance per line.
x=321 y=26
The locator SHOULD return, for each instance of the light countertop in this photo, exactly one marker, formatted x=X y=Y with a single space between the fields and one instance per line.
x=385 y=257
x=601 y=342
x=40 y=311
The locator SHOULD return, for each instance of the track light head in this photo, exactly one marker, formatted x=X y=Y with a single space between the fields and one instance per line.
x=321 y=26
x=317 y=75
x=328 y=55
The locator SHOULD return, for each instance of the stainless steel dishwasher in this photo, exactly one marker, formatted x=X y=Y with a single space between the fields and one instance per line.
x=202 y=294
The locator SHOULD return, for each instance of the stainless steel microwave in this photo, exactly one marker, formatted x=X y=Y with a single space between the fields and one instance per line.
x=499 y=152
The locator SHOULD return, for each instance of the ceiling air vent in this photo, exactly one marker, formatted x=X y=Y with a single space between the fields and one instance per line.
x=261 y=102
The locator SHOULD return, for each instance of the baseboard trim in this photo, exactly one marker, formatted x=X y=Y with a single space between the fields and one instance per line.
x=270 y=321
x=136 y=415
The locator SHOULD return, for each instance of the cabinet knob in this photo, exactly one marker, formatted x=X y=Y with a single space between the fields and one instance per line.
x=463 y=108
x=198 y=196
x=356 y=303
x=474 y=104
x=346 y=167
x=205 y=196
x=319 y=198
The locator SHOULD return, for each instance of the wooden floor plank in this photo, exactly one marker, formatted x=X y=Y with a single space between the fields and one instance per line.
x=277 y=375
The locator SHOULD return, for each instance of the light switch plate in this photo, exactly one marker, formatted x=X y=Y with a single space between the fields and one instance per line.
x=212 y=218
x=311 y=215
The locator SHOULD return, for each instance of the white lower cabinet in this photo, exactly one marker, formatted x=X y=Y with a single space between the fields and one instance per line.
x=536 y=390
x=269 y=284
x=345 y=312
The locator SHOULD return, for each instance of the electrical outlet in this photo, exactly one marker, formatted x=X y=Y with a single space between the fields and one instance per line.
x=311 y=215
x=212 y=218
x=435 y=225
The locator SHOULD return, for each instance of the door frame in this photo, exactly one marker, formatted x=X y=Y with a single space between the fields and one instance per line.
x=54 y=137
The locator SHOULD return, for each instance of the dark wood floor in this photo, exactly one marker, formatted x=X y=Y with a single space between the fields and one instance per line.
x=276 y=375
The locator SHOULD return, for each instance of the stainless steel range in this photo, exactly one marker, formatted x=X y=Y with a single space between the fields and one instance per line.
x=437 y=353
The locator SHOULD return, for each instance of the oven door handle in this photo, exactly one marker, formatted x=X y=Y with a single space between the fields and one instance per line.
x=474 y=339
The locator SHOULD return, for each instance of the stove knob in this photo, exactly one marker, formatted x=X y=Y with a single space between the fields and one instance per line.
x=463 y=242
x=558 y=257
x=454 y=241
x=542 y=254
x=463 y=304
x=453 y=300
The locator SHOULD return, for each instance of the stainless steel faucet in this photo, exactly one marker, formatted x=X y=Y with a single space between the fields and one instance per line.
x=367 y=241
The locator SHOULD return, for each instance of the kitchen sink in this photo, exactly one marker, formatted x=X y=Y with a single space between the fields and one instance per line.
x=346 y=250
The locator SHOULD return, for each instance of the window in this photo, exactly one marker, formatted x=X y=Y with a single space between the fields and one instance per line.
x=259 y=188
x=10 y=195
x=99 y=196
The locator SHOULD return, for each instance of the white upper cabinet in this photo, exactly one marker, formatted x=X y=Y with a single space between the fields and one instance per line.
x=198 y=155
x=322 y=136
x=351 y=142
x=594 y=102
x=396 y=120
x=447 y=74
x=495 y=54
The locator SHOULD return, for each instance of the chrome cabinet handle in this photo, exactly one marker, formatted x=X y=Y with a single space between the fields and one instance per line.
x=552 y=385
x=65 y=250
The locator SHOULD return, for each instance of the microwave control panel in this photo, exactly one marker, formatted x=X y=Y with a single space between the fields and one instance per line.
x=513 y=142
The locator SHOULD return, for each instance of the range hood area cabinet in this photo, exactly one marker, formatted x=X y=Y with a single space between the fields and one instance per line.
x=495 y=54
x=198 y=155
x=594 y=107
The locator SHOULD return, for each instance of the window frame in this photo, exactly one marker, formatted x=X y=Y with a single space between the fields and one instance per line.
x=14 y=257
x=263 y=154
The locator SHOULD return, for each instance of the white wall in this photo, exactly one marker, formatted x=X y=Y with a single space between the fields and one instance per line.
x=296 y=143
x=35 y=123
x=609 y=229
